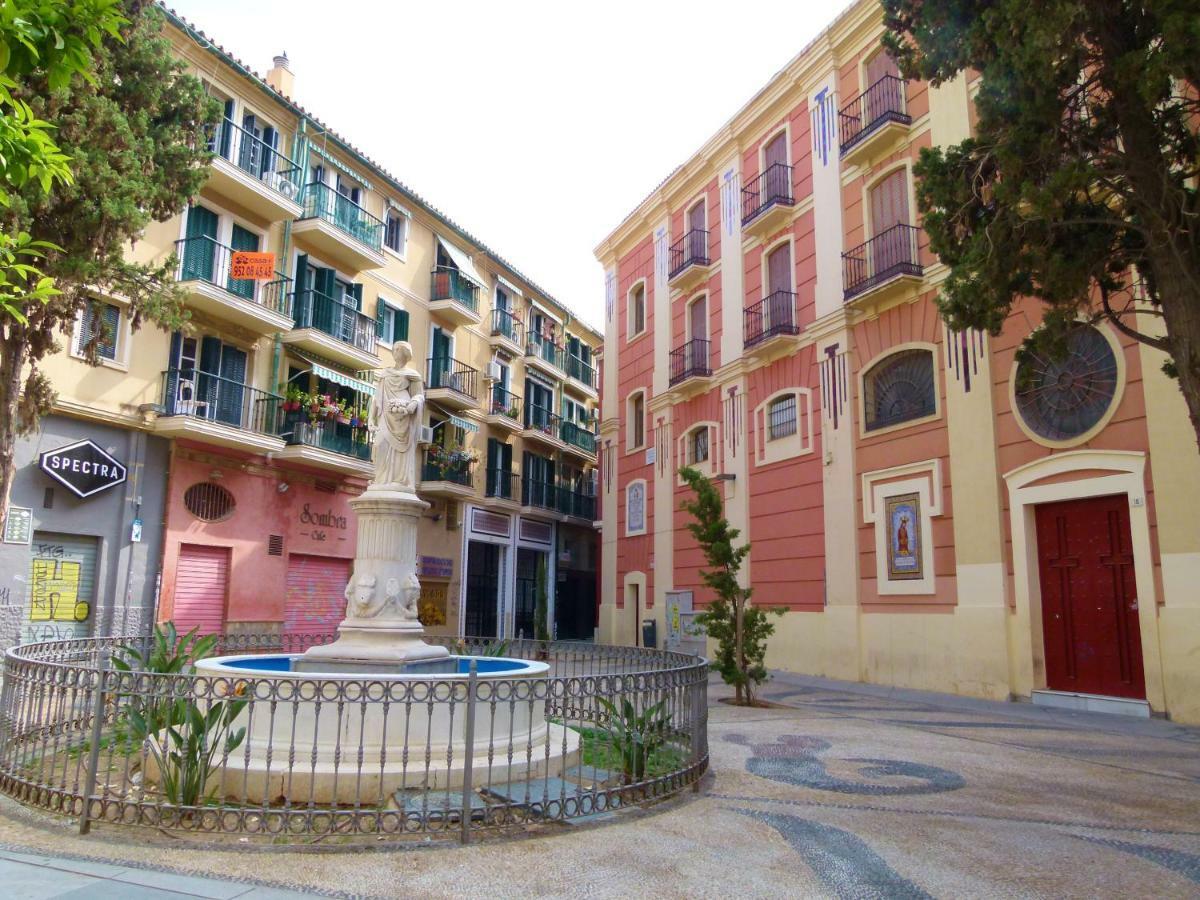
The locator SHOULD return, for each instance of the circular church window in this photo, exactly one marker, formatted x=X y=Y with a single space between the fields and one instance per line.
x=1062 y=398
x=208 y=502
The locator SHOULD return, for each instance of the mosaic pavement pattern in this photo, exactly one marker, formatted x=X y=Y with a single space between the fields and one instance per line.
x=838 y=791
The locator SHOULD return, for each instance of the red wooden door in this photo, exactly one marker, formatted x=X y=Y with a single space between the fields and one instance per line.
x=1089 y=598
x=316 y=602
x=201 y=585
x=696 y=217
x=698 y=326
x=879 y=65
x=779 y=269
x=776 y=151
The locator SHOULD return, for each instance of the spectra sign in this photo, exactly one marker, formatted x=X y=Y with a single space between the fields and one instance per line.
x=83 y=467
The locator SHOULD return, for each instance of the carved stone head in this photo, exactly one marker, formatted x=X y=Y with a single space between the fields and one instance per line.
x=360 y=594
x=402 y=354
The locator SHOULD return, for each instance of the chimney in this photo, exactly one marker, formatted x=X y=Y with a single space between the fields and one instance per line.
x=280 y=77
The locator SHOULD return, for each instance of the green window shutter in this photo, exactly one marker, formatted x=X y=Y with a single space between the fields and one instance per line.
x=356 y=292
x=379 y=305
x=111 y=317
x=400 y=324
x=242 y=239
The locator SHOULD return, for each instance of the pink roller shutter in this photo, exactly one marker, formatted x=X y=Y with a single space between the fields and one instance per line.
x=201 y=585
x=316 y=602
x=699 y=320
x=779 y=269
x=879 y=65
x=776 y=151
x=889 y=202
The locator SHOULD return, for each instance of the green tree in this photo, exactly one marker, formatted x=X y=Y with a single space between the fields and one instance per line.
x=1079 y=186
x=740 y=630
x=134 y=135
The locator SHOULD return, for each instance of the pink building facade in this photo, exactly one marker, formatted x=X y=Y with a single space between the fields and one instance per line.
x=930 y=513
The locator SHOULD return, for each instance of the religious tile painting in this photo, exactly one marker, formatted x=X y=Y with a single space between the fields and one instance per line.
x=904 y=537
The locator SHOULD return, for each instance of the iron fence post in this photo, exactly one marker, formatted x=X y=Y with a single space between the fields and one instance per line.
x=469 y=759
x=89 y=781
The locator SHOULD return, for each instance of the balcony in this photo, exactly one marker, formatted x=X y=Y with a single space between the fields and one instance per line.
x=543 y=426
x=253 y=174
x=576 y=504
x=887 y=263
x=578 y=440
x=871 y=121
x=447 y=473
x=507 y=331
x=539 y=495
x=214 y=410
x=339 y=230
x=504 y=409
x=581 y=376
x=542 y=353
x=454 y=296
x=502 y=486
x=689 y=262
x=770 y=318
x=689 y=361
x=767 y=201
x=334 y=329
x=326 y=445
x=452 y=383
x=263 y=307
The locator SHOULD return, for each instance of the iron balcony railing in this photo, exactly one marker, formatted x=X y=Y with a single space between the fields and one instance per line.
x=447 y=465
x=331 y=436
x=323 y=202
x=774 y=315
x=542 y=494
x=501 y=483
x=504 y=402
x=577 y=504
x=689 y=360
x=202 y=258
x=542 y=347
x=337 y=318
x=451 y=284
x=199 y=395
x=879 y=104
x=580 y=371
x=689 y=250
x=507 y=325
x=538 y=418
x=577 y=436
x=773 y=187
x=457 y=376
x=889 y=254
x=256 y=157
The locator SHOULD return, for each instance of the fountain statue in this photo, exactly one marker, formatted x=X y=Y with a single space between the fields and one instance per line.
x=381 y=626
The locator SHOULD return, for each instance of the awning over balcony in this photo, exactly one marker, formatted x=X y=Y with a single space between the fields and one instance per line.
x=461 y=260
x=324 y=370
x=465 y=424
x=509 y=286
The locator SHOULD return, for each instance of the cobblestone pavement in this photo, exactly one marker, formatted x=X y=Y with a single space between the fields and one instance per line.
x=841 y=790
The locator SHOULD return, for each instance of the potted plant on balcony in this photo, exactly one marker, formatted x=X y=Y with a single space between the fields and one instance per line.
x=513 y=412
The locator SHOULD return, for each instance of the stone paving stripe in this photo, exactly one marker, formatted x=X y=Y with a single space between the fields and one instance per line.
x=23 y=881
x=847 y=865
x=1186 y=864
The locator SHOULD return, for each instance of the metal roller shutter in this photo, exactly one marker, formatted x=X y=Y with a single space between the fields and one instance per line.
x=316 y=603
x=62 y=586
x=201 y=584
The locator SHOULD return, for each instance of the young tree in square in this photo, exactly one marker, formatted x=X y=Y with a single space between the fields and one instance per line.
x=135 y=137
x=1078 y=186
x=740 y=629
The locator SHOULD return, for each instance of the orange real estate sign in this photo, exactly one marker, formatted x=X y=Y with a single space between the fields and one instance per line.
x=245 y=265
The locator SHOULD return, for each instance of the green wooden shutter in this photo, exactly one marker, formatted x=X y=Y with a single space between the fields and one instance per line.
x=400 y=324
x=355 y=291
x=379 y=306
x=200 y=247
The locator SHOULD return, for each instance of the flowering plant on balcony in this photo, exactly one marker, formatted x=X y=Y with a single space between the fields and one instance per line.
x=450 y=463
x=294 y=399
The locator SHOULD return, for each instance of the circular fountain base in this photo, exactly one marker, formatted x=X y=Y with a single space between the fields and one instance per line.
x=337 y=737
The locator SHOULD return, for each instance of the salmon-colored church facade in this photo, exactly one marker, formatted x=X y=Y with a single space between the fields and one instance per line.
x=931 y=514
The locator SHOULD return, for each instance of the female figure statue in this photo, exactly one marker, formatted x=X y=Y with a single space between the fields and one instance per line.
x=393 y=421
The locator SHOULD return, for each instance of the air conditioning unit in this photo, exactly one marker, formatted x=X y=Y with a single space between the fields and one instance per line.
x=493 y=371
x=284 y=185
x=425 y=436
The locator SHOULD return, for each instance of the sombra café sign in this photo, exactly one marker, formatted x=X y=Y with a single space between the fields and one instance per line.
x=83 y=468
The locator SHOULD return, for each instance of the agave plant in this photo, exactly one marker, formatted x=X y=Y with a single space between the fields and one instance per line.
x=635 y=735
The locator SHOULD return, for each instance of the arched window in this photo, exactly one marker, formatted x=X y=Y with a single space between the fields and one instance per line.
x=635 y=412
x=637 y=310
x=899 y=388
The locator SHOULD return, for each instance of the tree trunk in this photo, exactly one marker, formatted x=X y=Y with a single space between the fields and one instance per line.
x=1181 y=313
x=12 y=361
x=739 y=608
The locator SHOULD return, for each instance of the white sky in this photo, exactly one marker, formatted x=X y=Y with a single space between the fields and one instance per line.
x=537 y=126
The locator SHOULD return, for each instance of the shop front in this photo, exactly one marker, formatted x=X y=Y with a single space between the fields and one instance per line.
x=509 y=564
x=83 y=538
x=255 y=548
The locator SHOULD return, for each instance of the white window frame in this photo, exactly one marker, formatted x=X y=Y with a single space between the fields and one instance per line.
x=630 y=446
x=124 y=335
x=630 y=334
x=406 y=217
x=769 y=450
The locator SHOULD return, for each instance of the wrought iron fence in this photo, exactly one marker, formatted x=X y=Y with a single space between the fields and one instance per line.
x=450 y=284
x=879 y=104
x=196 y=394
x=445 y=372
x=576 y=435
x=324 y=202
x=501 y=483
x=582 y=372
x=336 y=318
x=689 y=360
x=541 y=347
x=580 y=730
x=505 y=403
x=889 y=254
x=777 y=314
x=773 y=187
x=256 y=157
x=691 y=249
x=507 y=325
